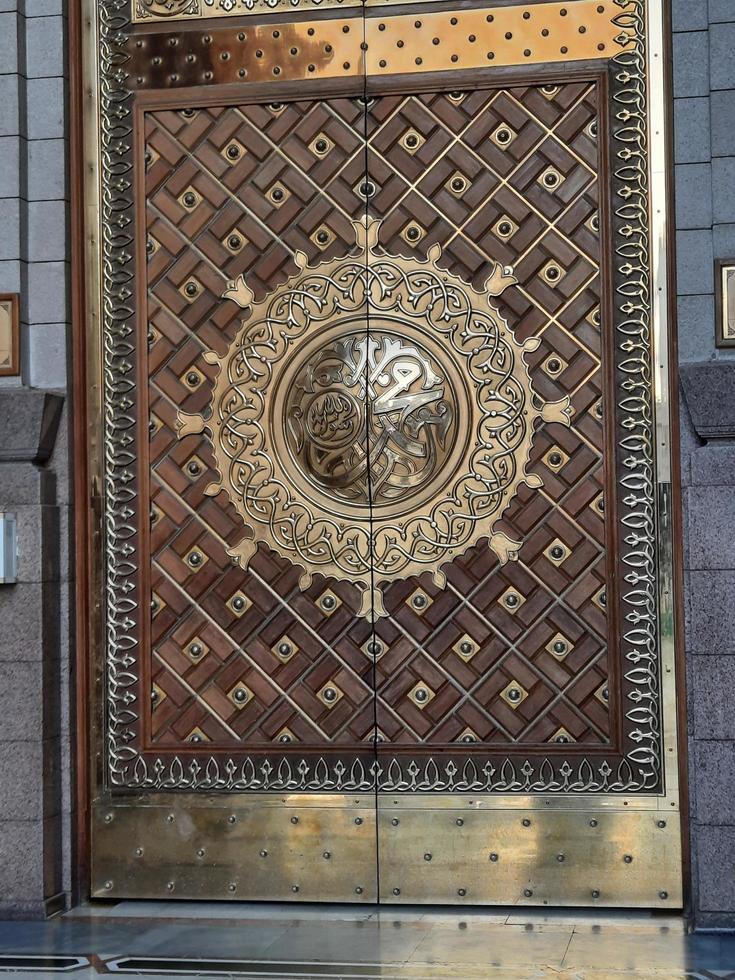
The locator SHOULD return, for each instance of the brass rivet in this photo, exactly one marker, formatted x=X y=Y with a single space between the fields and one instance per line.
x=560 y=858
x=294 y=819
x=461 y=892
x=459 y=821
x=264 y=853
x=396 y=891
x=232 y=818
x=493 y=857
x=527 y=892
x=593 y=823
x=294 y=888
x=663 y=894
x=201 y=852
x=395 y=821
x=595 y=893
x=358 y=890
x=108 y=818
x=326 y=855
x=232 y=886
x=661 y=824
x=628 y=858
x=526 y=822
x=427 y=856
x=139 y=852
x=358 y=820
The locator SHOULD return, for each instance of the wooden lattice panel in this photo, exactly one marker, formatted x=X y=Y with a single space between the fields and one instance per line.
x=507 y=175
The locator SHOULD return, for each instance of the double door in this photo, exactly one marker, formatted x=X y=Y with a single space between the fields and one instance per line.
x=384 y=524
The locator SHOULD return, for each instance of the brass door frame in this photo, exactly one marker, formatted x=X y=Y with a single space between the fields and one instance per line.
x=556 y=819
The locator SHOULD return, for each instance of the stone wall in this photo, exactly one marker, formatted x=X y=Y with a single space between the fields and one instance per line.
x=704 y=118
x=35 y=801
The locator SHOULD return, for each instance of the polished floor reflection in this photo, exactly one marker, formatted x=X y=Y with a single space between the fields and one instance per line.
x=188 y=939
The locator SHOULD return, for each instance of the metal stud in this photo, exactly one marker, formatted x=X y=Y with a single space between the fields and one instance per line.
x=419 y=601
x=562 y=737
x=366 y=189
x=285 y=736
x=196 y=649
x=411 y=141
x=329 y=602
x=559 y=646
x=321 y=145
x=240 y=695
x=493 y=857
x=239 y=603
x=467 y=736
x=278 y=194
x=413 y=233
x=421 y=694
x=158 y=695
x=512 y=600
x=514 y=694
x=233 y=151
x=192 y=378
x=503 y=136
x=322 y=237
x=373 y=648
x=189 y=199
x=157 y=605
x=603 y=694
x=556 y=459
x=284 y=649
x=557 y=552
x=600 y=599
x=552 y=273
x=465 y=647
x=504 y=228
x=551 y=179
x=234 y=241
x=330 y=694
x=196 y=559
x=196 y=735
x=457 y=184
x=554 y=365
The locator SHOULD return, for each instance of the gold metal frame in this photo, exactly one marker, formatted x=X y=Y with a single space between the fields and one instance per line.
x=557 y=862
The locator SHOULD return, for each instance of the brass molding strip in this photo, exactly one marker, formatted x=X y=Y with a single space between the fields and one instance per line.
x=541 y=33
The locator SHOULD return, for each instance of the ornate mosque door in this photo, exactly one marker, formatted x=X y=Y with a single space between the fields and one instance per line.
x=380 y=453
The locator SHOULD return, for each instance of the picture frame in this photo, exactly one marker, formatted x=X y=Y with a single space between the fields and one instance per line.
x=9 y=334
x=725 y=303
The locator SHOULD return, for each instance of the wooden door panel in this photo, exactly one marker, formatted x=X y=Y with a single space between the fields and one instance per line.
x=238 y=658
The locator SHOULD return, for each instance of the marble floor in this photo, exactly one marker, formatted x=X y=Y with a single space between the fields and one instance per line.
x=157 y=939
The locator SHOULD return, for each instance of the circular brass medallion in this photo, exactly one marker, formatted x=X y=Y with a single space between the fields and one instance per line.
x=374 y=417
x=370 y=411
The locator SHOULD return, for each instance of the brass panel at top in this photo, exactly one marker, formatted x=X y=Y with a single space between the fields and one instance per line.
x=541 y=33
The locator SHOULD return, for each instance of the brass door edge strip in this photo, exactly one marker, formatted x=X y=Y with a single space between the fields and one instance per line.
x=548 y=33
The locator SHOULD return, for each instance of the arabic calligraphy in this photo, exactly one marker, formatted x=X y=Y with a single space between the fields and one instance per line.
x=369 y=418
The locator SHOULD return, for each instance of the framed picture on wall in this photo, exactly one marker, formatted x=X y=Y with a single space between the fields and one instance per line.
x=725 y=300
x=9 y=334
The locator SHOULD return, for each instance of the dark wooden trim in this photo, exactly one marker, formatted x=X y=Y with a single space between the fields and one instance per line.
x=83 y=535
x=14 y=367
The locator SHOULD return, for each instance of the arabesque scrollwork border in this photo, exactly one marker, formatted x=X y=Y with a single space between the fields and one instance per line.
x=641 y=769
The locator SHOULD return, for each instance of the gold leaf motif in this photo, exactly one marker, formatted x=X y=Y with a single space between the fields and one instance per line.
x=499 y=279
x=559 y=411
x=239 y=292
